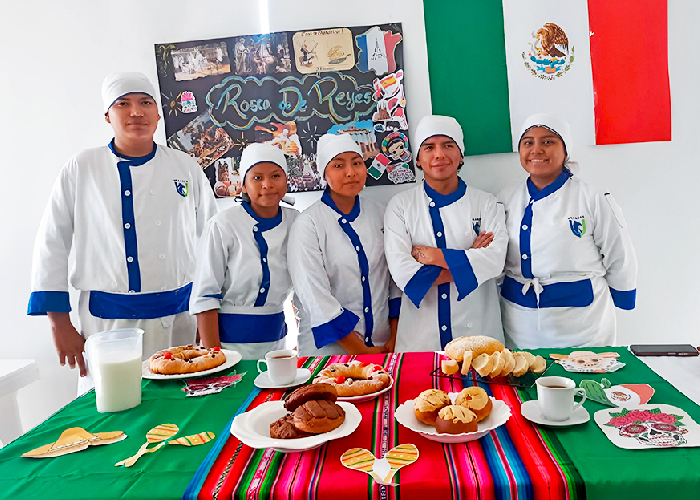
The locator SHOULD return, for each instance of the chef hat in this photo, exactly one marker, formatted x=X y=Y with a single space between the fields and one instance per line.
x=433 y=125
x=258 y=153
x=330 y=145
x=119 y=84
x=552 y=123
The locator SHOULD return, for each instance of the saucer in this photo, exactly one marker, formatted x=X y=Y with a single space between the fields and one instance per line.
x=531 y=411
x=263 y=380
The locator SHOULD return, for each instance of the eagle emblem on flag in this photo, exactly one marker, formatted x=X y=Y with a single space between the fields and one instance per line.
x=549 y=55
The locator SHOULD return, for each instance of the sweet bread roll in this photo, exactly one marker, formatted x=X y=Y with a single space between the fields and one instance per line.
x=318 y=416
x=528 y=356
x=309 y=392
x=455 y=419
x=478 y=344
x=429 y=403
x=475 y=399
x=483 y=364
x=449 y=366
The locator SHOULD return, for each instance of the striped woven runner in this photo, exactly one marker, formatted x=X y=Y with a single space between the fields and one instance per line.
x=517 y=460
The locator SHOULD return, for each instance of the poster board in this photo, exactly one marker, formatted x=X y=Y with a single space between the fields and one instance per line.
x=288 y=89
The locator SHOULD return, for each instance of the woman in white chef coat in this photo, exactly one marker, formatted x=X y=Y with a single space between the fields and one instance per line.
x=337 y=264
x=242 y=281
x=570 y=258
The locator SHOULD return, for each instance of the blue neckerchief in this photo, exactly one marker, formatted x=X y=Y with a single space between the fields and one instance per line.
x=537 y=195
x=326 y=198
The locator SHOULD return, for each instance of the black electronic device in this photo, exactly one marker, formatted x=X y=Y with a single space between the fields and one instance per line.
x=663 y=350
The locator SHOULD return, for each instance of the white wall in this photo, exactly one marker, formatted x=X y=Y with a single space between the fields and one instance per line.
x=57 y=53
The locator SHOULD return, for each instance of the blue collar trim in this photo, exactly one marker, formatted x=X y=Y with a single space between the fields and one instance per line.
x=263 y=223
x=134 y=161
x=536 y=194
x=442 y=200
x=354 y=213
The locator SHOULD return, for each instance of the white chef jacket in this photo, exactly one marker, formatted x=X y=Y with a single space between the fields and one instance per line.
x=431 y=316
x=341 y=280
x=570 y=261
x=242 y=272
x=132 y=224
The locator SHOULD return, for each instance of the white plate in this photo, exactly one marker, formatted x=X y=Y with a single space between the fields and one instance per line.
x=253 y=428
x=531 y=411
x=263 y=380
x=232 y=357
x=367 y=397
x=406 y=416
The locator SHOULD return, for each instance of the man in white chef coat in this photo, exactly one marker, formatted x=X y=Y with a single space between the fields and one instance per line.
x=131 y=212
x=445 y=244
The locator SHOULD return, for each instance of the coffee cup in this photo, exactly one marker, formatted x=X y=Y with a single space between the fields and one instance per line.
x=281 y=366
x=555 y=396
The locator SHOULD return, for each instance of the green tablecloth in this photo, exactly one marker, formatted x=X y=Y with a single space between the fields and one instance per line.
x=669 y=473
x=91 y=473
x=607 y=471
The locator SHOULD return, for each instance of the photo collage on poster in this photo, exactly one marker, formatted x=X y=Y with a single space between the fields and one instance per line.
x=288 y=89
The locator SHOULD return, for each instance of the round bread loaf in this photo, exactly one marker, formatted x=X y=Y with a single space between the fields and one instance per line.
x=309 y=392
x=186 y=359
x=318 y=416
x=477 y=344
x=455 y=419
x=475 y=399
x=284 y=429
x=429 y=403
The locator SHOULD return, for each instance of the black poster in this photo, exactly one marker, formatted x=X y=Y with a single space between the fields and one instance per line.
x=288 y=89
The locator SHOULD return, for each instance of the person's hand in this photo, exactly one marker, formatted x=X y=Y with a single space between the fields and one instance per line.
x=483 y=240
x=389 y=346
x=353 y=344
x=426 y=255
x=69 y=343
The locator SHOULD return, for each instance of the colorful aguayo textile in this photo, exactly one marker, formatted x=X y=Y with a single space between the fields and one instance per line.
x=518 y=460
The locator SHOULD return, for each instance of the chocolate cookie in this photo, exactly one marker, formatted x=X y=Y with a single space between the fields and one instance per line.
x=318 y=416
x=309 y=392
x=284 y=429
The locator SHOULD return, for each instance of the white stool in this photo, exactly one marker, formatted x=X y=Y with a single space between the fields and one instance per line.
x=14 y=374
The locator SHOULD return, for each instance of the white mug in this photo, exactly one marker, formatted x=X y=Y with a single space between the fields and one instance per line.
x=281 y=366
x=555 y=396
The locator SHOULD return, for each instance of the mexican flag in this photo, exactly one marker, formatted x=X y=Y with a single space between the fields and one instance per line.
x=601 y=65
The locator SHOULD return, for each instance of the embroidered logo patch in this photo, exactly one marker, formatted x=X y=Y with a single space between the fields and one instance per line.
x=577 y=225
x=476 y=224
x=182 y=187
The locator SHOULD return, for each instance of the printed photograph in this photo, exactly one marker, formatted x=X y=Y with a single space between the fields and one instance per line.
x=202 y=139
x=261 y=54
x=228 y=181
x=200 y=61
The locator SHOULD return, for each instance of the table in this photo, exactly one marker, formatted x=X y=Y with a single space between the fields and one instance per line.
x=14 y=374
x=519 y=459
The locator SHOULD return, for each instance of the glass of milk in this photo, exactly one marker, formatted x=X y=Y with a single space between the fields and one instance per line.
x=115 y=365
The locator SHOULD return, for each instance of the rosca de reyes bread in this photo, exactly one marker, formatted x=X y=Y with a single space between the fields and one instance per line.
x=186 y=359
x=354 y=378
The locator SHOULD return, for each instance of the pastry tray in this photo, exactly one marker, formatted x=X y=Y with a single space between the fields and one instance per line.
x=523 y=382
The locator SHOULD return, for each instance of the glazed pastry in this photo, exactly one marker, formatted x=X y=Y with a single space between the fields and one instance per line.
x=354 y=378
x=476 y=400
x=477 y=344
x=429 y=403
x=455 y=419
